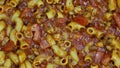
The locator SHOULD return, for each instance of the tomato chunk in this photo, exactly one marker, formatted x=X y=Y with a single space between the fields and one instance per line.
x=81 y=20
x=37 y=33
x=117 y=19
x=9 y=46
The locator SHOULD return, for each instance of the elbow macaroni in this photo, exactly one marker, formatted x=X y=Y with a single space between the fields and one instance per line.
x=69 y=5
x=74 y=26
x=28 y=64
x=2 y=57
x=15 y=15
x=118 y=3
x=21 y=56
x=56 y=1
x=9 y=28
x=19 y=24
x=13 y=36
x=58 y=51
x=116 y=44
x=50 y=40
x=32 y=3
x=67 y=44
x=93 y=31
x=112 y=5
x=39 y=59
x=50 y=65
x=19 y=36
x=3 y=16
x=13 y=57
x=7 y=63
x=2 y=35
x=22 y=65
x=1 y=9
x=116 y=58
x=94 y=66
x=2 y=2
x=2 y=25
x=63 y=61
x=49 y=34
x=49 y=1
x=74 y=56
x=51 y=13
x=60 y=15
x=18 y=21
x=87 y=47
x=13 y=3
x=88 y=58
x=24 y=45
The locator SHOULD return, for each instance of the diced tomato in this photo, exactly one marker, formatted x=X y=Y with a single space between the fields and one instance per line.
x=106 y=59
x=44 y=44
x=98 y=57
x=81 y=20
x=60 y=22
x=117 y=19
x=37 y=33
x=24 y=12
x=28 y=51
x=9 y=46
x=29 y=41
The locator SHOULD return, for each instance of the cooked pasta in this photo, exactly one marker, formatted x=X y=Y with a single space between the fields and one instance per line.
x=28 y=64
x=21 y=56
x=73 y=54
x=60 y=15
x=56 y=1
x=3 y=16
x=2 y=25
x=49 y=1
x=118 y=3
x=116 y=58
x=69 y=5
x=14 y=3
x=24 y=45
x=39 y=59
x=75 y=26
x=87 y=47
x=91 y=31
x=51 y=40
x=2 y=2
x=108 y=16
x=59 y=33
x=22 y=65
x=112 y=5
x=15 y=15
x=88 y=58
x=7 y=63
x=13 y=57
x=51 y=13
x=19 y=24
x=1 y=9
x=67 y=44
x=9 y=28
x=49 y=65
x=12 y=36
x=64 y=61
x=33 y=3
x=94 y=66
x=2 y=57
x=58 y=51
x=19 y=36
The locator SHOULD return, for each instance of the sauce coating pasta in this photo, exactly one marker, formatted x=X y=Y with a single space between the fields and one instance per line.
x=59 y=33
